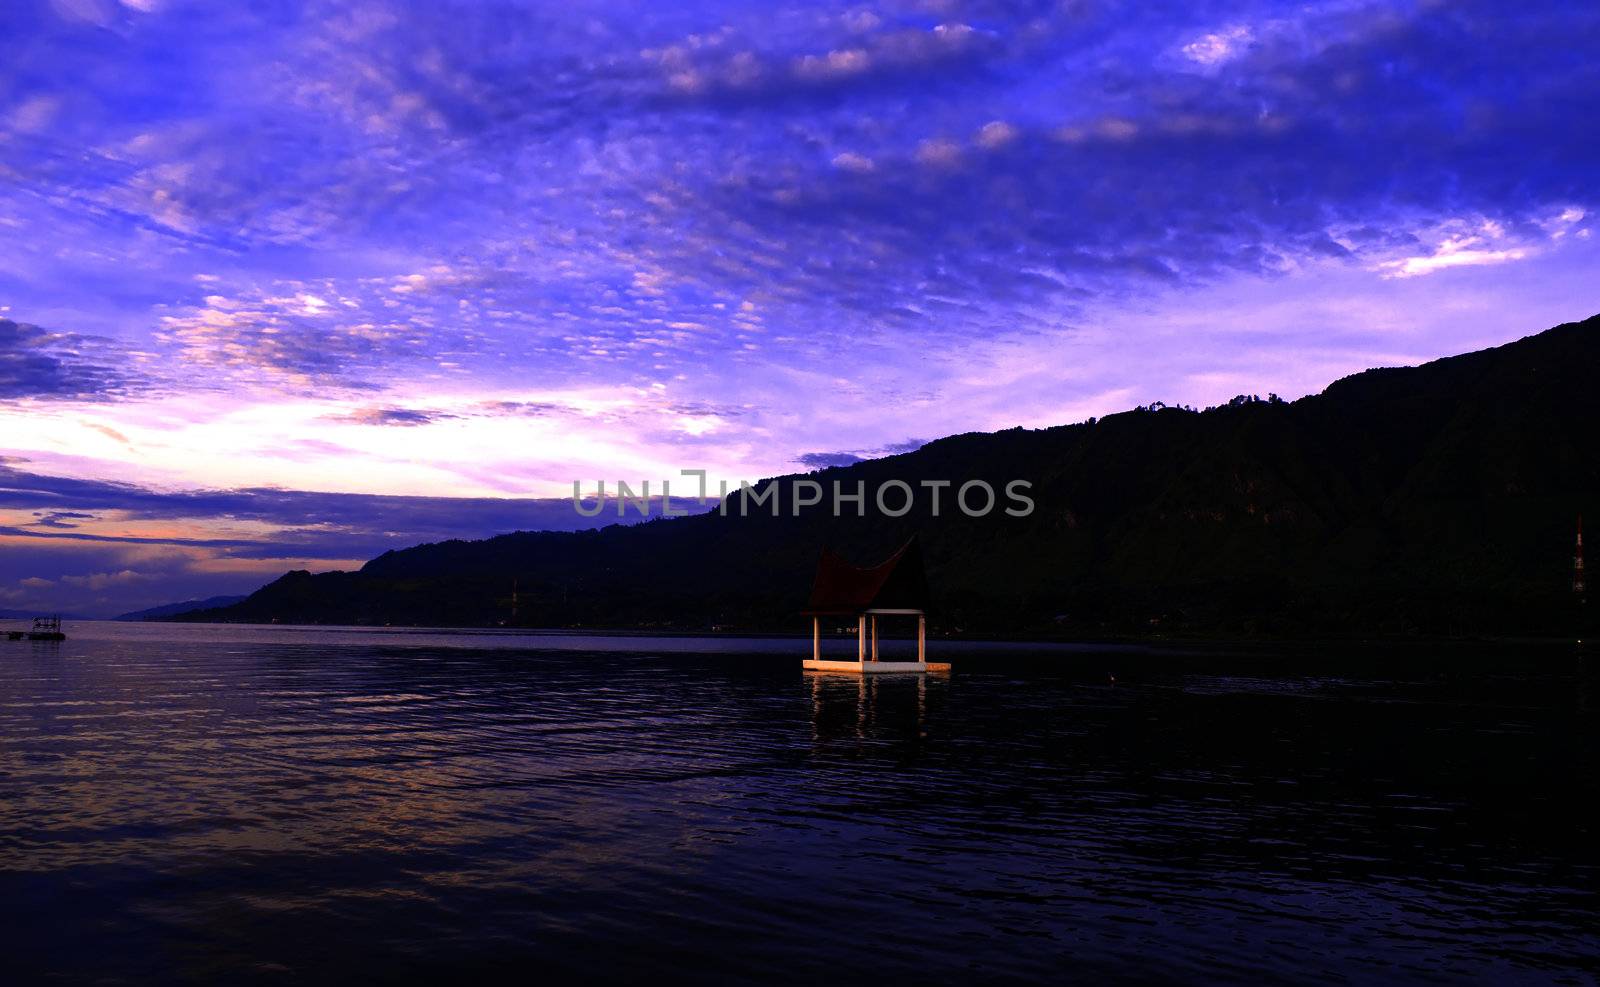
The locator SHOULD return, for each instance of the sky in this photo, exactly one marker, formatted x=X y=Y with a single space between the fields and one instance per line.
x=289 y=283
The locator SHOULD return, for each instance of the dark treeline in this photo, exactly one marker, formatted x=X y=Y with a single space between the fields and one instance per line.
x=1436 y=499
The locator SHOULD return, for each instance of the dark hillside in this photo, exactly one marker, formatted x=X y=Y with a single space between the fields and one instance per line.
x=1439 y=498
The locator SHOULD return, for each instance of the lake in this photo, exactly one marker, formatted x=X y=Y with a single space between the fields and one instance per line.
x=267 y=804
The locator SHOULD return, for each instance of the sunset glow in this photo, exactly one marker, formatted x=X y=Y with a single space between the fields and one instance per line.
x=289 y=284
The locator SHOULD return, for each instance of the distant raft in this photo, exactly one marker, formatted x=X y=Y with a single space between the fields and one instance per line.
x=44 y=629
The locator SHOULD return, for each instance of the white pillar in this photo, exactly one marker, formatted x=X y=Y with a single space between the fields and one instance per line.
x=861 y=639
x=922 y=637
x=816 y=638
x=874 y=637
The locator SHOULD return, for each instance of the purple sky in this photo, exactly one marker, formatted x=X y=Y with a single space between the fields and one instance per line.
x=282 y=281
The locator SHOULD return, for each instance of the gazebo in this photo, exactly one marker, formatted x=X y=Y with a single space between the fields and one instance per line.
x=898 y=586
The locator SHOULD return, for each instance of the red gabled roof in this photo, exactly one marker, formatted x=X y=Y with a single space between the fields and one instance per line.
x=842 y=589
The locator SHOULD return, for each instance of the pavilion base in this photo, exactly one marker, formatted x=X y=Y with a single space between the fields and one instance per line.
x=875 y=667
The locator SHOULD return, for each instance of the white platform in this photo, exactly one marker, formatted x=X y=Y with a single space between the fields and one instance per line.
x=875 y=667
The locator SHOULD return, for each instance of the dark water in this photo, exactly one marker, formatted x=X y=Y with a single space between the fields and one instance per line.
x=189 y=803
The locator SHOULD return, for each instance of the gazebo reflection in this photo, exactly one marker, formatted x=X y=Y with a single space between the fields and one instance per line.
x=862 y=706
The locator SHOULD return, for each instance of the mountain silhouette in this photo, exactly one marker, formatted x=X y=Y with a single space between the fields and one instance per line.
x=1441 y=498
x=173 y=609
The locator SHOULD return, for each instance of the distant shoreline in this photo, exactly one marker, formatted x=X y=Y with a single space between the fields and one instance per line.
x=1242 y=643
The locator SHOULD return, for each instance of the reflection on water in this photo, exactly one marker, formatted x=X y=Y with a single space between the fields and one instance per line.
x=845 y=705
x=276 y=803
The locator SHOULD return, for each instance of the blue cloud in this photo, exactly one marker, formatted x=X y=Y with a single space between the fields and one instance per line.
x=824 y=460
x=513 y=189
x=35 y=363
x=326 y=525
x=80 y=527
x=404 y=417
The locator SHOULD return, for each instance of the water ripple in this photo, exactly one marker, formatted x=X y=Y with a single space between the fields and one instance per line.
x=271 y=804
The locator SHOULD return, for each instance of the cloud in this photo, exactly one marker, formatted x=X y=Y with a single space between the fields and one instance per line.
x=37 y=363
x=150 y=546
x=1450 y=254
x=521 y=408
x=909 y=445
x=59 y=519
x=404 y=417
x=996 y=134
x=108 y=432
x=258 y=522
x=1219 y=46
x=825 y=460
x=103 y=580
x=860 y=53
x=850 y=161
x=431 y=214
x=1464 y=243
x=832 y=66
x=939 y=152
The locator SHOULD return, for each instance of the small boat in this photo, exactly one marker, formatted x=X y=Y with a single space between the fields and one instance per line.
x=46 y=629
